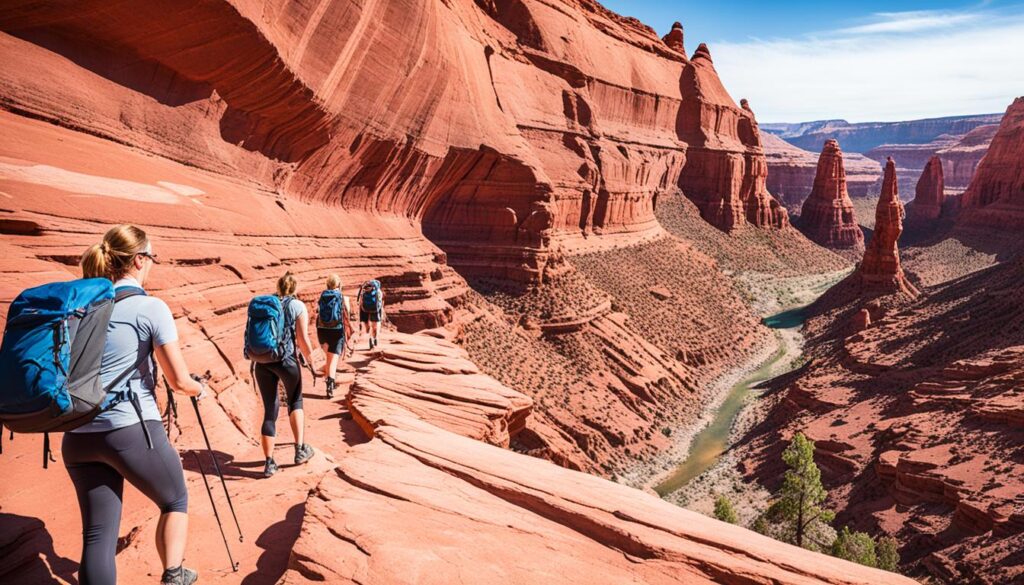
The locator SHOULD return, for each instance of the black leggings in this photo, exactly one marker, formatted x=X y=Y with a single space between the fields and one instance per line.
x=267 y=377
x=98 y=464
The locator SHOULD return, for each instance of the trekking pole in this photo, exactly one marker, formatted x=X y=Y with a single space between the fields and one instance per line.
x=216 y=466
x=209 y=492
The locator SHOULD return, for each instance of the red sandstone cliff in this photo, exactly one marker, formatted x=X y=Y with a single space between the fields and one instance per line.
x=995 y=198
x=520 y=137
x=726 y=171
x=827 y=216
x=960 y=160
x=929 y=194
x=881 y=268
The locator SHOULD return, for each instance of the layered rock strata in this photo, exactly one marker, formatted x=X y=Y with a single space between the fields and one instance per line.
x=917 y=433
x=960 y=160
x=495 y=175
x=881 y=268
x=726 y=171
x=929 y=194
x=995 y=198
x=827 y=215
x=423 y=504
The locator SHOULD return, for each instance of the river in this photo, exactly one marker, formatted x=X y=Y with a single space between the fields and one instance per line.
x=713 y=440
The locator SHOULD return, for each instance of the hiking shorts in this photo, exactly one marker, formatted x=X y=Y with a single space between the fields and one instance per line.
x=334 y=339
x=364 y=316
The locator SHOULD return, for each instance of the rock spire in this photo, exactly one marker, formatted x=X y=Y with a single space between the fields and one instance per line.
x=674 y=39
x=827 y=216
x=881 y=265
x=929 y=195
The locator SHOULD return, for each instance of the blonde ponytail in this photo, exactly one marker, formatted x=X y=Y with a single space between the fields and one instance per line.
x=112 y=257
x=286 y=285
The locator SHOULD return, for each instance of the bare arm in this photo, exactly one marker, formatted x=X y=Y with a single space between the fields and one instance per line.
x=173 y=365
x=302 y=336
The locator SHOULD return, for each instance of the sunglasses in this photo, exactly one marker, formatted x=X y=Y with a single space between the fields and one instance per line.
x=149 y=255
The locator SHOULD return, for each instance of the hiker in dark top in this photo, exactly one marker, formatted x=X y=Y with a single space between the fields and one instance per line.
x=288 y=373
x=332 y=327
x=371 y=310
x=112 y=447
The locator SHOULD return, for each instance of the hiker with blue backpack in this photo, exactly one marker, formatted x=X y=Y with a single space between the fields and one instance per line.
x=276 y=336
x=333 y=329
x=371 y=310
x=81 y=357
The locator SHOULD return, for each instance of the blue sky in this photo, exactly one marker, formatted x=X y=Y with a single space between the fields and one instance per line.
x=862 y=61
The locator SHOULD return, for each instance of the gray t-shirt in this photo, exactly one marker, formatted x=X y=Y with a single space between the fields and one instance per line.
x=137 y=325
x=296 y=310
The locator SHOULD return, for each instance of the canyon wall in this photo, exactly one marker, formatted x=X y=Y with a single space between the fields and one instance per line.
x=995 y=197
x=501 y=166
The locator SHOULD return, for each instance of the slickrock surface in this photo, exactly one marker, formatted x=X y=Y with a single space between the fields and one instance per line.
x=918 y=432
x=420 y=504
x=791 y=172
x=881 y=268
x=929 y=193
x=827 y=216
x=995 y=198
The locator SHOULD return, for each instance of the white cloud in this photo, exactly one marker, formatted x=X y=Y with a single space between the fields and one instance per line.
x=881 y=76
x=911 y=21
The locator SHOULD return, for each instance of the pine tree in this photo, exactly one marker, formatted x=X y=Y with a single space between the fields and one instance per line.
x=858 y=547
x=801 y=496
x=724 y=510
x=888 y=555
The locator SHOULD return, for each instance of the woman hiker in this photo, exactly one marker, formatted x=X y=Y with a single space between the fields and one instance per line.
x=332 y=327
x=101 y=454
x=285 y=371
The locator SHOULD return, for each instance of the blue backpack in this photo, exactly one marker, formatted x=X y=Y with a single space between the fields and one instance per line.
x=269 y=330
x=51 y=354
x=331 y=310
x=369 y=297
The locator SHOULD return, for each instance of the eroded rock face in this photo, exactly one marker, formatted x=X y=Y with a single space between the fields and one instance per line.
x=930 y=192
x=995 y=198
x=917 y=432
x=827 y=216
x=674 y=38
x=881 y=268
x=726 y=170
x=960 y=160
x=425 y=504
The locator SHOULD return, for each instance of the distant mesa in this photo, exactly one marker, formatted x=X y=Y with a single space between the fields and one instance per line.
x=827 y=216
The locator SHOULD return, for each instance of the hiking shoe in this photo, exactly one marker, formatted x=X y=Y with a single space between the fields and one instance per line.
x=330 y=387
x=270 y=469
x=179 y=576
x=303 y=453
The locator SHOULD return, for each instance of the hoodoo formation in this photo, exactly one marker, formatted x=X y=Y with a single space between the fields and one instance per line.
x=930 y=192
x=791 y=172
x=827 y=216
x=881 y=268
x=995 y=197
x=674 y=38
x=725 y=169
